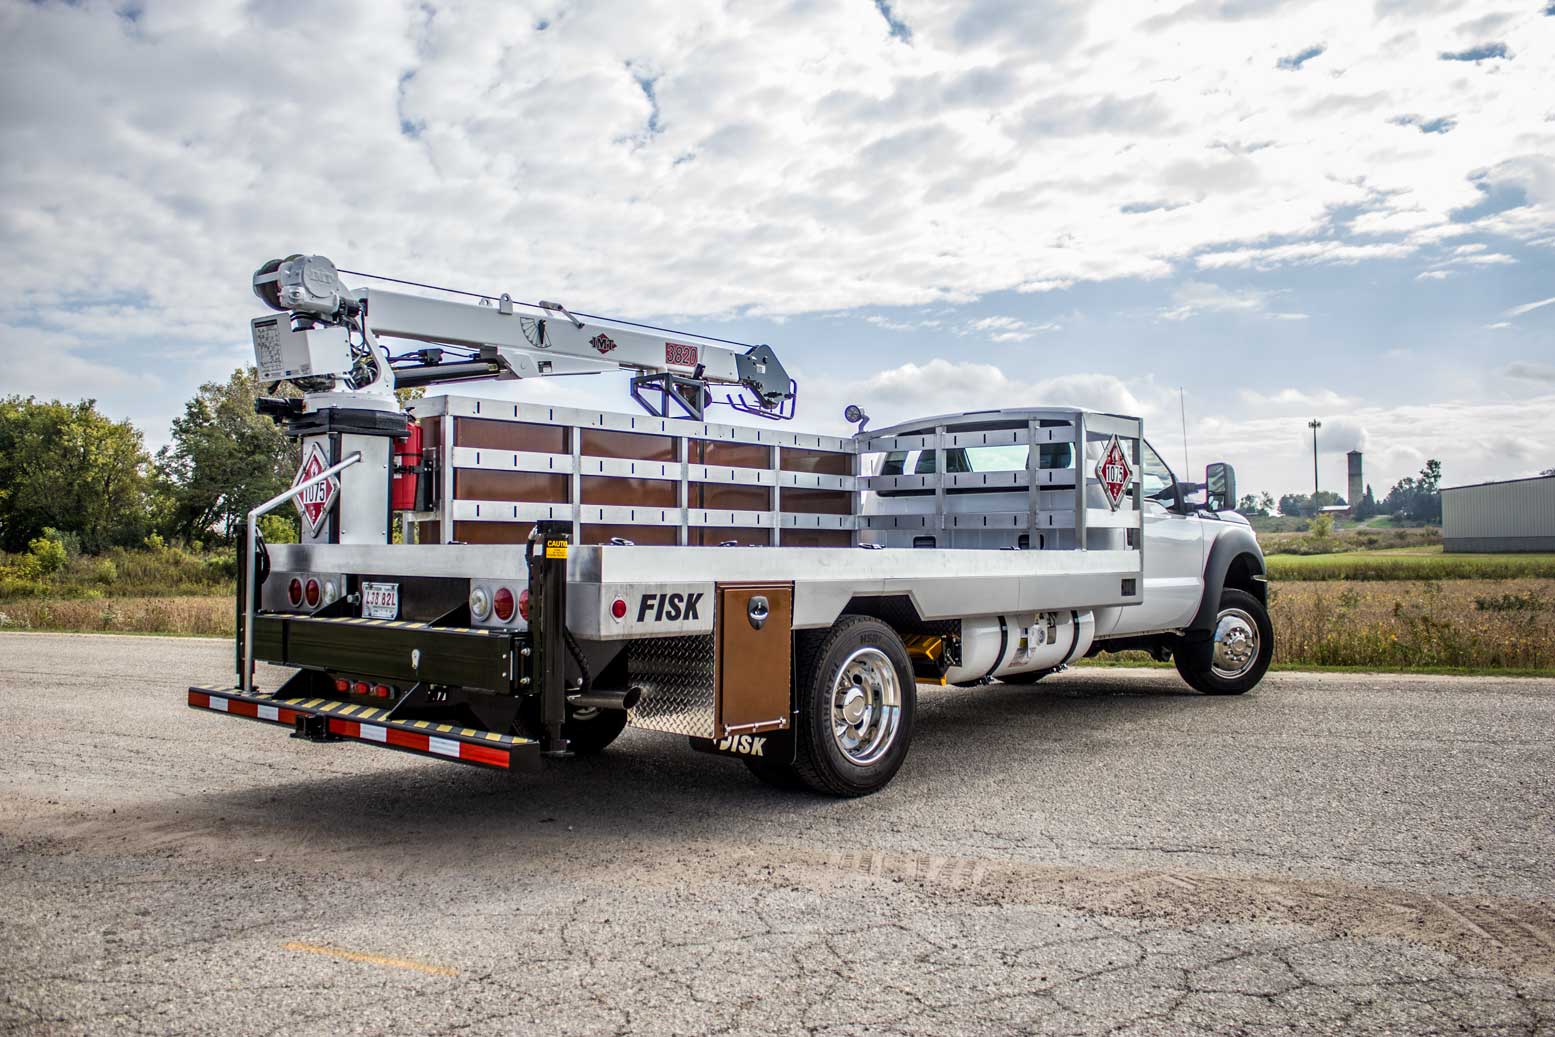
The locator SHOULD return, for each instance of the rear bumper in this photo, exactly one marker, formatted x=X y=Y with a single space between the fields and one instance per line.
x=394 y=650
x=366 y=724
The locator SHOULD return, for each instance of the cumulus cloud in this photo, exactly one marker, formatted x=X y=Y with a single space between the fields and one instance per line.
x=1275 y=452
x=798 y=157
x=707 y=159
x=1297 y=399
x=1267 y=438
x=941 y=386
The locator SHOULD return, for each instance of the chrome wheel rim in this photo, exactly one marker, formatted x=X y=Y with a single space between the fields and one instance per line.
x=1236 y=644
x=866 y=706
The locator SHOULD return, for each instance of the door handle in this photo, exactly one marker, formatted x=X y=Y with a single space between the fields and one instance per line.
x=758 y=611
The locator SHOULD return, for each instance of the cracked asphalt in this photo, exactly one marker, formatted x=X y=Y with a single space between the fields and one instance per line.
x=1104 y=853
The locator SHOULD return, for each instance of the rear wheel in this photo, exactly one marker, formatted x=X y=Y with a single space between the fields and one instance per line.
x=856 y=699
x=1239 y=653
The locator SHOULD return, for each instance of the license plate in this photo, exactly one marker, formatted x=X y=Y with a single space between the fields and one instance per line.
x=381 y=601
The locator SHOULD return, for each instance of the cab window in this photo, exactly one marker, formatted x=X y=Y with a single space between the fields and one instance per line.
x=1157 y=480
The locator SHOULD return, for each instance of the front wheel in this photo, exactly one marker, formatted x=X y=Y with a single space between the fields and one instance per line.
x=1239 y=653
x=856 y=699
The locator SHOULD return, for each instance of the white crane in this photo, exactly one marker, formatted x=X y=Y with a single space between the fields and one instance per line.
x=335 y=335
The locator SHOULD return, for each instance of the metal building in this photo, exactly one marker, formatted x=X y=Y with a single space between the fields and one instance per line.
x=1516 y=515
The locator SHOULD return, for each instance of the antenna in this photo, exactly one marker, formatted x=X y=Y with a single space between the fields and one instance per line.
x=1183 y=410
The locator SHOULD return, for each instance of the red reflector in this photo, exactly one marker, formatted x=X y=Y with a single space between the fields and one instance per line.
x=523 y=605
x=313 y=593
x=294 y=592
x=360 y=688
x=502 y=604
x=342 y=685
x=382 y=690
x=618 y=608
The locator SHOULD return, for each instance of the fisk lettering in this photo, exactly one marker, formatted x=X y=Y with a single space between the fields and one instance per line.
x=749 y=745
x=668 y=607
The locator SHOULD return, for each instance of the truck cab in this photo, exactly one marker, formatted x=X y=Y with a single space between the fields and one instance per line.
x=1196 y=548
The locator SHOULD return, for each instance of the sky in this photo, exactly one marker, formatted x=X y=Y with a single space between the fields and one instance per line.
x=1250 y=212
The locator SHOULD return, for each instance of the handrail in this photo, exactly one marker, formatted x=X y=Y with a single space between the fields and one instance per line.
x=247 y=681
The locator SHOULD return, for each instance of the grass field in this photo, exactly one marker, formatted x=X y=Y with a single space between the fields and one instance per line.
x=1462 y=625
x=1409 y=563
x=187 y=614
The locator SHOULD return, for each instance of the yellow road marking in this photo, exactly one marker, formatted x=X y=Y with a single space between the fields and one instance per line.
x=370 y=959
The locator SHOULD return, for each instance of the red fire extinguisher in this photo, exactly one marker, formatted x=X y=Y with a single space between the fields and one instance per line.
x=407 y=469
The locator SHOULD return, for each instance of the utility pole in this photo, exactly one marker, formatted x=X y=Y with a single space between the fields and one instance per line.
x=1314 y=425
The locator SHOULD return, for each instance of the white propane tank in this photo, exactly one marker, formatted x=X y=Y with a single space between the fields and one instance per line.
x=999 y=645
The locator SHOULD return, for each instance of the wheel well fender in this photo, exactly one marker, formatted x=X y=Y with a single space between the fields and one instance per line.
x=1235 y=560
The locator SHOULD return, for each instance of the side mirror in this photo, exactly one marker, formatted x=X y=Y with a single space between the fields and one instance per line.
x=1220 y=486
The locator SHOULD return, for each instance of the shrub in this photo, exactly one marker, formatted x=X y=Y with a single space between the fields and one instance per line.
x=49 y=553
x=278 y=529
x=1525 y=601
x=105 y=572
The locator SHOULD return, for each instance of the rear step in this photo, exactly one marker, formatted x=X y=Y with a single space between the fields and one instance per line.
x=324 y=718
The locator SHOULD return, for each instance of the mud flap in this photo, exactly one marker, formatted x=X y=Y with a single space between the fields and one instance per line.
x=771 y=746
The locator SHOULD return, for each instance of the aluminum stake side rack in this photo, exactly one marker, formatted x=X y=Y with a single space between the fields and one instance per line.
x=767 y=594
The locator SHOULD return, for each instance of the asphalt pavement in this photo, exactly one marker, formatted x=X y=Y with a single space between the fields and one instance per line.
x=1102 y=853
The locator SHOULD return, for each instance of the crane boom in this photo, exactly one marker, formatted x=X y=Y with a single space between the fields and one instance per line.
x=501 y=339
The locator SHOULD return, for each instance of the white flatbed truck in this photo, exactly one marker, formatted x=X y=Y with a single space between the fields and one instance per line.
x=770 y=595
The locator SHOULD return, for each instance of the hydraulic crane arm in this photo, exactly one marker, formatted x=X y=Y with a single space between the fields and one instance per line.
x=504 y=339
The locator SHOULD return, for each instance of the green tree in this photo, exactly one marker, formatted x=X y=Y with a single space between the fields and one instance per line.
x=1419 y=500
x=224 y=459
x=1308 y=504
x=68 y=467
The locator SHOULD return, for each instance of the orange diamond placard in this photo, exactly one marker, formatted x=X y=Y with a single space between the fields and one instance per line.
x=1114 y=473
x=313 y=504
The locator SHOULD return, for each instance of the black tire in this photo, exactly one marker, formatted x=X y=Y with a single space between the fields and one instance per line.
x=589 y=731
x=1197 y=663
x=866 y=646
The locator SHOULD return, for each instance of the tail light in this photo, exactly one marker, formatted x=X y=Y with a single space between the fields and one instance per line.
x=618 y=608
x=294 y=592
x=312 y=593
x=382 y=691
x=360 y=688
x=502 y=603
x=342 y=685
x=523 y=605
x=480 y=604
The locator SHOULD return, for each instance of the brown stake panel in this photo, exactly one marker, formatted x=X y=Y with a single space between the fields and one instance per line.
x=754 y=636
